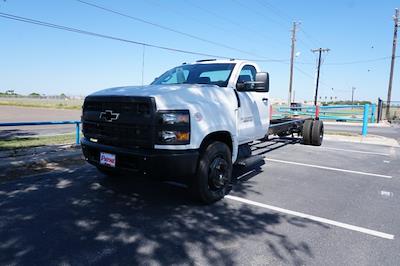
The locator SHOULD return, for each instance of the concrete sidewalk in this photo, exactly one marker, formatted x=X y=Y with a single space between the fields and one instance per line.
x=357 y=138
x=382 y=124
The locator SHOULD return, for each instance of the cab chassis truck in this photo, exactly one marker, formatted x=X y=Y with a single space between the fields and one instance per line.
x=190 y=123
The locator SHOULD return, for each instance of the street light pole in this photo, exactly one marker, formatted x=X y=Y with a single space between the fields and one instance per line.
x=293 y=47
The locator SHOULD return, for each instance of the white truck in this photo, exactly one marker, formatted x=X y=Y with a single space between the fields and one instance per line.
x=190 y=123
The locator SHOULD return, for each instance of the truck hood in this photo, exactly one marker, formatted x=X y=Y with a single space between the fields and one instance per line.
x=168 y=96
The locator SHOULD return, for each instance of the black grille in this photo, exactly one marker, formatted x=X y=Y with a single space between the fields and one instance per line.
x=133 y=108
x=134 y=127
x=118 y=135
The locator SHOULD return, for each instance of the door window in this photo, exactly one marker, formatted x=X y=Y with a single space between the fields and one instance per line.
x=248 y=73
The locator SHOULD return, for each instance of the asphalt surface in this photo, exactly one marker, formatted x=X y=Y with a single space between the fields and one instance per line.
x=81 y=217
x=25 y=114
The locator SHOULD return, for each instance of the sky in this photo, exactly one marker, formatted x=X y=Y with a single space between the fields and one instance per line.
x=49 y=61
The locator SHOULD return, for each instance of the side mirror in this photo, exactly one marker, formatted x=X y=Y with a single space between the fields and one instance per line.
x=241 y=86
x=262 y=82
x=260 y=85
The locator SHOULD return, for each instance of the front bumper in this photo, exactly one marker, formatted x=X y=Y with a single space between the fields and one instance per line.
x=163 y=163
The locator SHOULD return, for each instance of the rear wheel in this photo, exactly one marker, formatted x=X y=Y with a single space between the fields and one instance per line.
x=317 y=133
x=214 y=173
x=307 y=130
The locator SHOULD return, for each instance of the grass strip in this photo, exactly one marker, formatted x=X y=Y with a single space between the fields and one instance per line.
x=41 y=105
x=21 y=143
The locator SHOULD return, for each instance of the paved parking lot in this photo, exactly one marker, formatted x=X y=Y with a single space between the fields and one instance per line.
x=331 y=205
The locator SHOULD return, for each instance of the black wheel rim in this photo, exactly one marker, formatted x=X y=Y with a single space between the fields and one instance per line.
x=217 y=174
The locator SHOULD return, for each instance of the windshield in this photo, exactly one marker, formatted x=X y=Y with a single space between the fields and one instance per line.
x=215 y=74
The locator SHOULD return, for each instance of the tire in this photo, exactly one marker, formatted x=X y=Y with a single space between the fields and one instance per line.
x=317 y=134
x=307 y=130
x=214 y=173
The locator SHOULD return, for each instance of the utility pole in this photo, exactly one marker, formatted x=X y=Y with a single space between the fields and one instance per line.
x=320 y=51
x=389 y=95
x=352 y=95
x=295 y=24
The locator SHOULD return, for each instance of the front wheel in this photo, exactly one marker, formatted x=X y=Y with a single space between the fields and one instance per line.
x=214 y=173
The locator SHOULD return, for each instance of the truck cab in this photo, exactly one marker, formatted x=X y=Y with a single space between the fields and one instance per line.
x=188 y=123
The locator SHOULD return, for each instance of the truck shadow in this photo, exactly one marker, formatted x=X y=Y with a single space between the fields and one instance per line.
x=273 y=144
x=82 y=217
x=242 y=183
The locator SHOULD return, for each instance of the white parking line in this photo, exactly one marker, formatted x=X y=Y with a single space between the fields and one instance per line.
x=313 y=218
x=355 y=151
x=328 y=168
x=386 y=194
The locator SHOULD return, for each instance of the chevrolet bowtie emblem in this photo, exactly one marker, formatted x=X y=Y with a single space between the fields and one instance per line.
x=109 y=116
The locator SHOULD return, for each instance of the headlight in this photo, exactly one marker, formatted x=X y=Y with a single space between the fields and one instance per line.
x=174 y=118
x=173 y=127
x=174 y=137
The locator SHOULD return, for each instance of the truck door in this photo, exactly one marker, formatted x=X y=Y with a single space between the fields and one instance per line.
x=254 y=111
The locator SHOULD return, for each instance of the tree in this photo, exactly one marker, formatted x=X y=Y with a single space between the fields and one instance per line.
x=34 y=95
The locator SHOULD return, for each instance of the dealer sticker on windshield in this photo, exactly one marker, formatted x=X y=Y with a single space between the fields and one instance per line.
x=107 y=159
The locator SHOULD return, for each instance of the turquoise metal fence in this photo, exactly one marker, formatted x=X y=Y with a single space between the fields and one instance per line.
x=343 y=113
x=42 y=123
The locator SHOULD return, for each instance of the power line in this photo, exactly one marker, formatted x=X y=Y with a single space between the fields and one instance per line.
x=200 y=20
x=217 y=26
x=310 y=38
x=234 y=22
x=275 y=10
x=70 y=29
x=352 y=62
x=307 y=45
x=164 y=27
x=260 y=14
x=231 y=21
x=304 y=73
x=360 y=61
x=285 y=18
x=310 y=76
